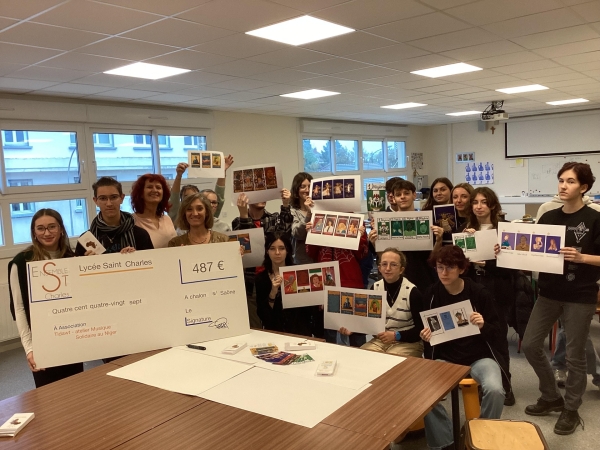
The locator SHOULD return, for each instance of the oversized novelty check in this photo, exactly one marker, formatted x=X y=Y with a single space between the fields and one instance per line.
x=94 y=307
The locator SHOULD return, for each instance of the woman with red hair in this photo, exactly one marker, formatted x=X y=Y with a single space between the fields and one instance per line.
x=150 y=201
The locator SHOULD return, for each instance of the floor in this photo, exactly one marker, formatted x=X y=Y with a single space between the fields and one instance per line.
x=15 y=379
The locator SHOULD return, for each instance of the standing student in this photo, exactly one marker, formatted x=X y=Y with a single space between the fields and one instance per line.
x=49 y=240
x=439 y=193
x=150 y=202
x=269 y=282
x=485 y=214
x=478 y=351
x=215 y=201
x=114 y=229
x=301 y=209
x=572 y=295
x=404 y=303
x=461 y=198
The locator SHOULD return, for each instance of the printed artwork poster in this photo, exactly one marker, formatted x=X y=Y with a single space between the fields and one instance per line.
x=444 y=216
x=530 y=246
x=205 y=164
x=449 y=322
x=332 y=229
x=303 y=285
x=253 y=241
x=376 y=196
x=404 y=230
x=359 y=310
x=478 y=174
x=260 y=183
x=478 y=246
x=340 y=194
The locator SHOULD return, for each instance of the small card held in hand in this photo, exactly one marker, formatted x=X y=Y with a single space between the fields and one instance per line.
x=89 y=242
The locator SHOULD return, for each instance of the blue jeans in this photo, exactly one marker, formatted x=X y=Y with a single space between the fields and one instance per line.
x=559 y=360
x=438 y=426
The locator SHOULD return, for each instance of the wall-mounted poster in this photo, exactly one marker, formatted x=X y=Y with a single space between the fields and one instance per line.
x=253 y=241
x=479 y=173
x=532 y=246
x=478 y=246
x=336 y=193
x=260 y=183
x=334 y=229
x=376 y=196
x=444 y=216
x=450 y=322
x=359 y=310
x=303 y=285
x=404 y=230
x=206 y=164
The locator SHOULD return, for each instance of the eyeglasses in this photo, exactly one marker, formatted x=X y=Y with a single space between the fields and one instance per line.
x=441 y=268
x=113 y=198
x=386 y=265
x=52 y=228
x=214 y=203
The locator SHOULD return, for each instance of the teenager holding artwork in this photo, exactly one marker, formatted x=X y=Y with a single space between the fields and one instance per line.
x=49 y=240
x=461 y=198
x=403 y=325
x=478 y=351
x=572 y=294
x=439 y=193
x=485 y=211
x=301 y=209
x=278 y=255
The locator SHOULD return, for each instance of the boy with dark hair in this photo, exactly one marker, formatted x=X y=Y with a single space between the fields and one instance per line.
x=389 y=189
x=572 y=295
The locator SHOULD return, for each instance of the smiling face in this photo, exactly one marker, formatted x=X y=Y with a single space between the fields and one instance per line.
x=481 y=208
x=48 y=232
x=195 y=214
x=153 y=192
x=390 y=267
x=441 y=193
x=277 y=252
x=214 y=201
x=303 y=190
x=405 y=199
x=461 y=199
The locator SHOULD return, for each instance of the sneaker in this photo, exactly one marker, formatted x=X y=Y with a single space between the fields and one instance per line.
x=509 y=399
x=543 y=407
x=561 y=377
x=567 y=422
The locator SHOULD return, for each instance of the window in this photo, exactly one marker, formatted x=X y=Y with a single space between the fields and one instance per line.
x=26 y=208
x=126 y=161
x=373 y=155
x=179 y=146
x=75 y=221
x=346 y=155
x=197 y=142
x=317 y=155
x=396 y=154
x=370 y=180
x=142 y=139
x=1 y=232
x=15 y=139
x=103 y=140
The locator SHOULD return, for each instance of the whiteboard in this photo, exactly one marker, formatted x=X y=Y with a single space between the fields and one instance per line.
x=543 y=172
x=556 y=134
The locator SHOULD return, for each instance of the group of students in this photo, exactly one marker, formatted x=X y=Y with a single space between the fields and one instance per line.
x=415 y=281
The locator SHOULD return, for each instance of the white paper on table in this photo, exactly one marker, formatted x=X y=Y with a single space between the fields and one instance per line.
x=450 y=322
x=478 y=246
x=260 y=183
x=299 y=400
x=531 y=246
x=392 y=230
x=206 y=164
x=89 y=242
x=303 y=284
x=215 y=348
x=253 y=241
x=334 y=229
x=358 y=310
x=336 y=193
x=180 y=371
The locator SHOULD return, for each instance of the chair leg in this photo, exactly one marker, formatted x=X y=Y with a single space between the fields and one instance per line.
x=470 y=394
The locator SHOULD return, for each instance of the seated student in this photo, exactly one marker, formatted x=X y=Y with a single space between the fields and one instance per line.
x=49 y=240
x=115 y=229
x=461 y=197
x=478 y=351
x=401 y=335
x=195 y=217
x=278 y=254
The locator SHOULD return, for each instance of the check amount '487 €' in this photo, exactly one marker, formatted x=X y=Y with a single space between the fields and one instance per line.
x=209 y=266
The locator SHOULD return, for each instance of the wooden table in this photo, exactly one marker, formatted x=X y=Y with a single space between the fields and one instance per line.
x=94 y=411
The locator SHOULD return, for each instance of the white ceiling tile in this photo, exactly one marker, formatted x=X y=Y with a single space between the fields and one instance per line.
x=7 y=68
x=49 y=36
x=160 y=86
x=419 y=27
x=494 y=82
x=242 y=96
x=319 y=82
x=570 y=49
x=123 y=48
x=49 y=74
x=18 y=9
x=590 y=11
x=23 y=84
x=309 y=5
x=283 y=76
x=446 y=88
x=289 y=57
x=490 y=49
x=79 y=89
x=526 y=67
x=113 y=81
x=400 y=77
x=595 y=26
x=205 y=91
x=545 y=80
x=166 y=8
x=130 y=93
x=169 y=98
x=489 y=11
x=360 y=14
x=423 y=83
x=545 y=72
x=351 y=87
x=367 y=73
x=241 y=68
x=388 y=54
x=97 y=17
x=5 y=22
x=241 y=84
x=578 y=58
x=189 y=59
x=535 y=23
x=208 y=102
x=21 y=54
x=470 y=76
x=81 y=61
x=240 y=16
x=178 y=33
x=505 y=60
x=567 y=83
x=329 y=66
x=239 y=46
x=349 y=43
x=456 y=39
x=592 y=65
x=200 y=78
x=422 y=62
x=557 y=37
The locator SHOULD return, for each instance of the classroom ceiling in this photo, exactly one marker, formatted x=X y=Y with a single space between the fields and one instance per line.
x=60 y=48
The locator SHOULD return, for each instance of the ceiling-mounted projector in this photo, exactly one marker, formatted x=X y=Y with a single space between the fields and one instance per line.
x=494 y=112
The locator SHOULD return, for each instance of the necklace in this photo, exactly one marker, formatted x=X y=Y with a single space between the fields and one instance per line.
x=392 y=298
x=202 y=241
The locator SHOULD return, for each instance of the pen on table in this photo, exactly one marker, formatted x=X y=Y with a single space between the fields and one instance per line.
x=196 y=347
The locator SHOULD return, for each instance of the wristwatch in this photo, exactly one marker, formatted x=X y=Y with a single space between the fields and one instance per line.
x=397 y=335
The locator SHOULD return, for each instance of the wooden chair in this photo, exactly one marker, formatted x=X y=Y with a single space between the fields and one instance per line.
x=470 y=395
x=491 y=434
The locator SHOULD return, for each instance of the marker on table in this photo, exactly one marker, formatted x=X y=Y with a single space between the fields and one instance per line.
x=196 y=347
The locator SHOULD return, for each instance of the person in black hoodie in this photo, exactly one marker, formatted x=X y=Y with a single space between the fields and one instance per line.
x=478 y=351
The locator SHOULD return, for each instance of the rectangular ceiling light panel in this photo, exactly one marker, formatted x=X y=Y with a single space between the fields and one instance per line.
x=300 y=30
x=519 y=89
x=311 y=93
x=147 y=71
x=568 y=102
x=404 y=105
x=444 y=71
x=464 y=113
